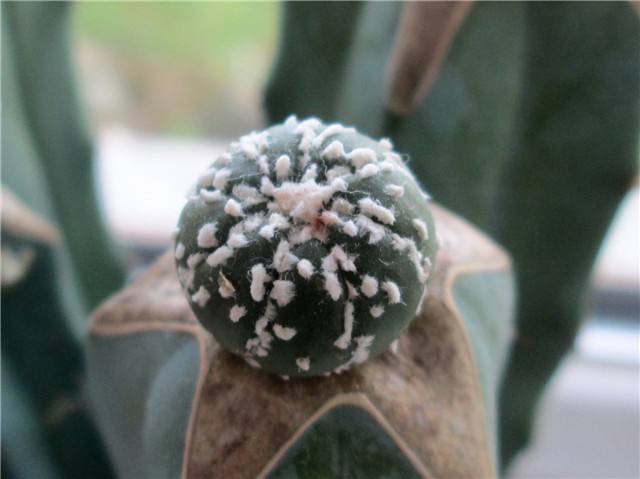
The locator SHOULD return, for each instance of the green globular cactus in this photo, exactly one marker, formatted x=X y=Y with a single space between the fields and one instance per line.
x=306 y=248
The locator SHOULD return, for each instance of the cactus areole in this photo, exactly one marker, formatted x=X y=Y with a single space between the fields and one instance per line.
x=306 y=248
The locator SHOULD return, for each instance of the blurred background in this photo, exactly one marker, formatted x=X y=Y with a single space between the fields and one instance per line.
x=190 y=69
x=167 y=85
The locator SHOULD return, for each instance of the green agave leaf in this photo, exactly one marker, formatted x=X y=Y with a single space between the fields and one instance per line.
x=574 y=158
x=143 y=399
x=46 y=159
x=345 y=442
x=458 y=138
x=41 y=57
x=24 y=450
x=314 y=46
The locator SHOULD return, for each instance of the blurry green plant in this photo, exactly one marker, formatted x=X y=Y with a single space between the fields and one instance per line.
x=54 y=240
x=529 y=129
x=186 y=68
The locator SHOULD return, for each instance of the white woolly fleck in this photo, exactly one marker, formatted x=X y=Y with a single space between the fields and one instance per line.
x=307 y=129
x=334 y=151
x=345 y=261
x=338 y=184
x=305 y=268
x=329 y=264
x=308 y=124
x=386 y=143
x=225 y=287
x=302 y=201
x=267 y=232
x=361 y=353
x=266 y=186
x=284 y=333
x=342 y=206
x=224 y=159
x=270 y=312
x=278 y=221
x=361 y=156
x=260 y=139
x=260 y=345
x=330 y=218
x=259 y=277
x=376 y=311
x=252 y=222
x=303 y=161
x=310 y=174
x=211 y=196
x=415 y=257
x=283 y=291
x=337 y=172
x=221 y=178
x=393 y=347
x=291 y=120
x=393 y=292
x=373 y=209
x=301 y=235
x=331 y=130
x=261 y=325
x=201 y=297
x=186 y=277
x=396 y=191
x=352 y=291
x=194 y=260
x=252 y=362
x=220 y=256
x=250 y=150
x=303 y=363
x=421 y=228
x=237 y=240
x=369 y=286
x=343 y=341
x=248 y=195
x=387 y=166
x=350 y=229
x=332 y=285
x=376 y=231
x=233 y=208
x=237 y=312
x=260 y=351
x=369 y=170
x=283 y=166
x=400 y=243
x=207 y=235
x=179 y=252
x=263 y=164
x=283 y=259
x=238 y=228
x=205 y=179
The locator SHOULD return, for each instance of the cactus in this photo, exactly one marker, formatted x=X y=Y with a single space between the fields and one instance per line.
x=306 y=248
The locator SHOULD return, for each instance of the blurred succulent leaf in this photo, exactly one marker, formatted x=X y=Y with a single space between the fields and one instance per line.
x=43 y=68
x=574 y=158
x=314 y=47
